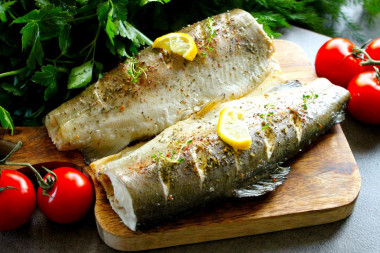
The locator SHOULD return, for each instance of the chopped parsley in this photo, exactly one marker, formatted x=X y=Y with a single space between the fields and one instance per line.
x=172 y=158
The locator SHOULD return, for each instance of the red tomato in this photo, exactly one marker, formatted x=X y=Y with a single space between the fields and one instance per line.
x=335 y=62
x=373 y=49
x=16 y=205
x=70 y=198
x=365 y=102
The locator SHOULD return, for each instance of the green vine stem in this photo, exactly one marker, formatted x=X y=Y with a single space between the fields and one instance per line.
x=11 y=73
x=7 y=187
x=368 y=61
x=377 y=74
x=46 y=186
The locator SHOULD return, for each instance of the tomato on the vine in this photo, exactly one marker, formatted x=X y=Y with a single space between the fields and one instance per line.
x=365 y=97
x=17 y=199
x=70 y=198
x=336 y=62
x=373 y=49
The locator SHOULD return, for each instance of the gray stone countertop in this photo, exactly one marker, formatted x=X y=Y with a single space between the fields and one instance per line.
x=358 y=233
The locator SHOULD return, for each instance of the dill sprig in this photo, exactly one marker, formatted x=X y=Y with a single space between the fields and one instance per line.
x=135 y=70
x=211 y=34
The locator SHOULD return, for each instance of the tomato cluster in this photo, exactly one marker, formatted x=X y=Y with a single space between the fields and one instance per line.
x=346 y=65
x=67 y=201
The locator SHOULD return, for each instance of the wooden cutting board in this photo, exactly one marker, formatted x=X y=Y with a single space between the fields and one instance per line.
x=322 y=186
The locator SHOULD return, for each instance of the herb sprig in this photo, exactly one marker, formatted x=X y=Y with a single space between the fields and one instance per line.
x=174 y=156
x=211 y=31
x=211 y=34
x=135 y=70
x=308 y=99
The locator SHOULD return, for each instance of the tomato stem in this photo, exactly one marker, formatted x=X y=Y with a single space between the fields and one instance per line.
x=377 y=74
x=46 y=186
x=8 y=187
x=356 y=51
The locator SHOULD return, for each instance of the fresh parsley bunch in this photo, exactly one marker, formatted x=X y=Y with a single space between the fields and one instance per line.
x=51 y=49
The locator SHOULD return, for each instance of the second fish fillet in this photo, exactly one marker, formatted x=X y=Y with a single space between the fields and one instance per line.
x=188 y=165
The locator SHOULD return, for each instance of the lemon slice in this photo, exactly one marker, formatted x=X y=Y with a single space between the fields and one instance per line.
x=178 y=43
x=232 y=129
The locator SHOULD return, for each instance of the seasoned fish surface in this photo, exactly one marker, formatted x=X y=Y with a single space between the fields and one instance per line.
x=121 y=108
x=188 y=165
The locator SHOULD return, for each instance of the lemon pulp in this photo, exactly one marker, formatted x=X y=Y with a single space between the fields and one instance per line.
x=178 y=43
x=232 y=129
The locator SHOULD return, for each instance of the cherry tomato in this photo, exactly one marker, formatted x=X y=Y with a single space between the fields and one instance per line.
x=373 y=49
x=70 y=198
x=365 y=102
x=335 y=62
x=17 y=199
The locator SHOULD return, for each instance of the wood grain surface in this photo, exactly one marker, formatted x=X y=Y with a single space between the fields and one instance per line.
x=322 y=186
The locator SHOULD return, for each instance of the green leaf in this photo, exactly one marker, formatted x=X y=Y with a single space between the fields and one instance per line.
x=29 y=17
x=31 y=38
x=36 y=54
x=102 y=11
x=105 y=12
x=64 y=40
x=120 y=9
x=110 y=27
x=42 y=3
x=133 y=49
x=144 y=2
x=49 y=18
x=4 y=8
x=12 y=89
x=82 y=2
x=127 y=30
x=120 y=48
x=43 y=24
x=80 y=76
x=6 y=119
x=29 y=33
x=47 y=77
x=50 y=91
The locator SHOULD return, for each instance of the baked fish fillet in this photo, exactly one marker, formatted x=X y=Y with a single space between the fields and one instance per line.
x=188 y=165
x=119 y=109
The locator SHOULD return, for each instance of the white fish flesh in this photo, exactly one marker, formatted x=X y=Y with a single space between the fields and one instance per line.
x=120 y=108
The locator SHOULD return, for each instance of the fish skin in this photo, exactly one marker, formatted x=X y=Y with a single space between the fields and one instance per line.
x=114 y=111
x=145 y=190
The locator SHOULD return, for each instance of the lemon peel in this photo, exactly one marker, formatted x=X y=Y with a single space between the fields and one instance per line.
x=179 y=43
x=232 y=129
